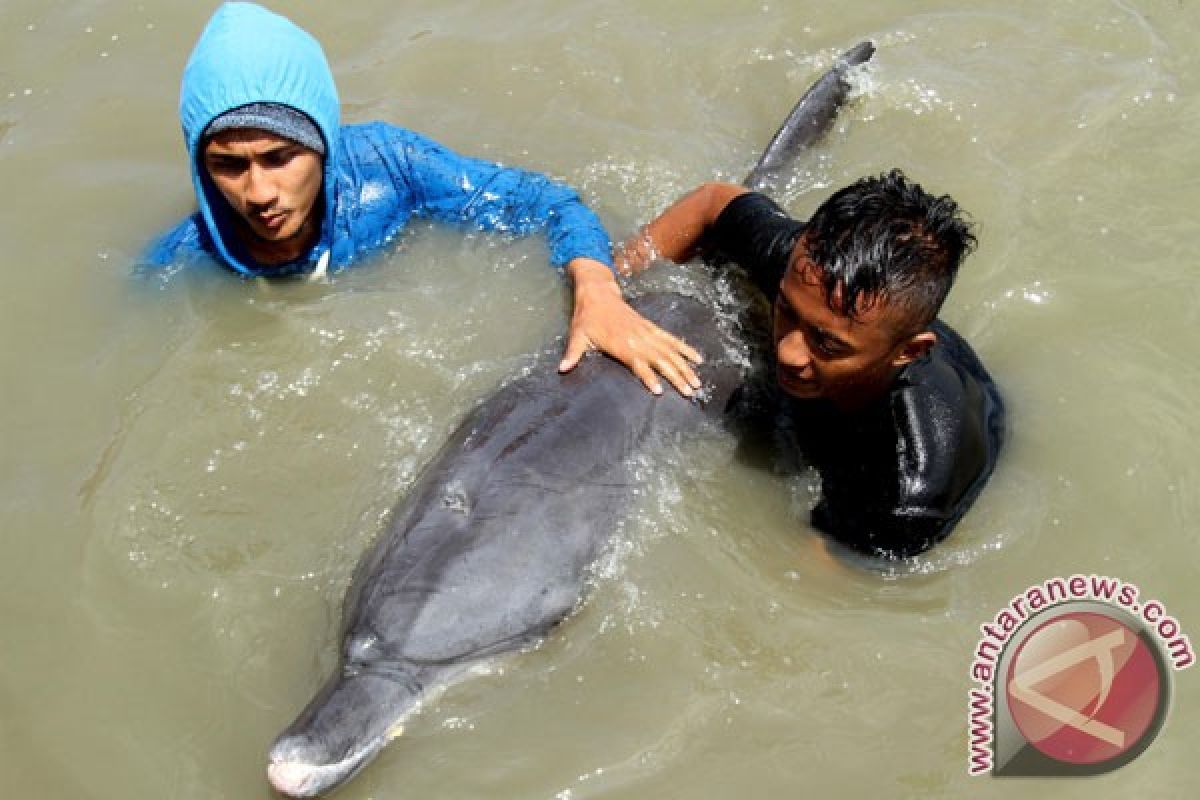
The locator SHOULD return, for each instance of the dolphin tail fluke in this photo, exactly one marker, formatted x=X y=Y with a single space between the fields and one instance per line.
x=809 y=121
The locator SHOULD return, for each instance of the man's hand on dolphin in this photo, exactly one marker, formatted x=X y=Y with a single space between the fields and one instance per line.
x=603 y=321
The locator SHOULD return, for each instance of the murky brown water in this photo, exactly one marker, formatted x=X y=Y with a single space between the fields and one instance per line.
x=191 y=467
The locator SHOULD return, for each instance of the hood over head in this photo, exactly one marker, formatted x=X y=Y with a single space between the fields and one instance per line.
x=247 y=55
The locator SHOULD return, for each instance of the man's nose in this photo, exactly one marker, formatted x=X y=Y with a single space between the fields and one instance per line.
x=260 y=189
x=792 y=351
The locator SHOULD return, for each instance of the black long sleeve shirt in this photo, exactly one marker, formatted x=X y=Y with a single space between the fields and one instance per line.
x=898 y=475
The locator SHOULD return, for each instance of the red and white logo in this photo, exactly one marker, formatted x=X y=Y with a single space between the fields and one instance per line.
x=1083 y=688
x=1072 y=677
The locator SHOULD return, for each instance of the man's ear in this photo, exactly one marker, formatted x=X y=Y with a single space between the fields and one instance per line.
x=914 y=347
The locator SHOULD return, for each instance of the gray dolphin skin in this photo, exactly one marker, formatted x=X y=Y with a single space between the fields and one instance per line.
x=491 y=547
x=811 y=118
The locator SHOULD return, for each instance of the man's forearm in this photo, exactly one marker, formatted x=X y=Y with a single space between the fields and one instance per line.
x=675 y=233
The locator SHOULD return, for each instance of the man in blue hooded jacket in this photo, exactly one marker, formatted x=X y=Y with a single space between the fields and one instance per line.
x=283 y=188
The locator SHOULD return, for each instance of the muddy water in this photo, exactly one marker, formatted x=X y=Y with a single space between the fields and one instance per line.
x=192 y=464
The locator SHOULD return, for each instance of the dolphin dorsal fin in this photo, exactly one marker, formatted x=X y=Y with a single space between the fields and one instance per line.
x=809 y=120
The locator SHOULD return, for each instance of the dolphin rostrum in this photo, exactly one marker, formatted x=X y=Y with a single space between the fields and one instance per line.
x=490 y=548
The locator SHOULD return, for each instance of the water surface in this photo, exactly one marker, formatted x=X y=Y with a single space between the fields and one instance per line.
x=192 y=464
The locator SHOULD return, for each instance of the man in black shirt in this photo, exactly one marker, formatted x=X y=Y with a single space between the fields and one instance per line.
x=888 y=403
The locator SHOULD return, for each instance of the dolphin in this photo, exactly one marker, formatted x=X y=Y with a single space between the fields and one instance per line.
x=491 y=547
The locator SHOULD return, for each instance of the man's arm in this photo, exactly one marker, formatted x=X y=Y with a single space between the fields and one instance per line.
x=603 y=320
x=187 y=239
x=458 y=189
x=676 y=233
x=899 y=493
x=883 y=532
x=455 y=188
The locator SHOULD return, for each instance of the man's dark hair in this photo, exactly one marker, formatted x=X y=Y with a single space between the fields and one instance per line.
x=886 y=239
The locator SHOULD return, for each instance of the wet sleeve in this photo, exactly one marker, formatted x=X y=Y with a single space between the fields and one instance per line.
x=899 y=492
x=459 y=190
x=882 y=529
x=756 y=234
x=184 y=242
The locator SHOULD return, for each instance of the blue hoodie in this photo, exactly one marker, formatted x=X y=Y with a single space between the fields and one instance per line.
x=377 y=176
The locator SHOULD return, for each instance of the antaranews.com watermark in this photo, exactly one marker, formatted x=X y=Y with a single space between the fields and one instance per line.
x=1072 y=678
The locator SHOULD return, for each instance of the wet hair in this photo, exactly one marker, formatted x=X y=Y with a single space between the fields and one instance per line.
x=885 y=239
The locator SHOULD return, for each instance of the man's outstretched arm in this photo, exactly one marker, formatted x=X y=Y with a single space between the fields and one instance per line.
x=676 y=233
x=603 y=321
x=459 y=189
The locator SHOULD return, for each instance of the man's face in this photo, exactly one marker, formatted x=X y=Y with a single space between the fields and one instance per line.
x=823 y=353
x=270 y=182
